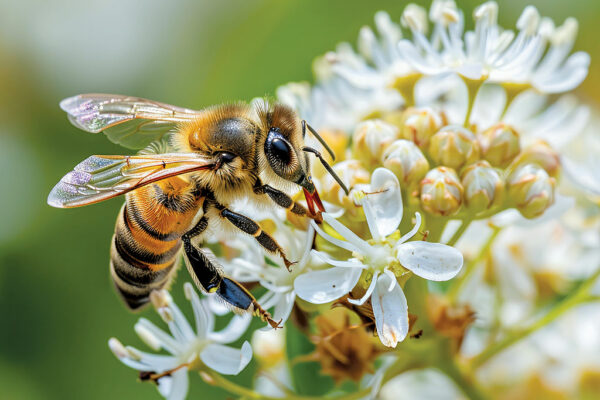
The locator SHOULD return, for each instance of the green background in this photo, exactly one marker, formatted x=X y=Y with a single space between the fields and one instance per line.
x=57 y=306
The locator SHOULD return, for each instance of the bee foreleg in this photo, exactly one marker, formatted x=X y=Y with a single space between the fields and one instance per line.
x=280 y=198
x=251 y=227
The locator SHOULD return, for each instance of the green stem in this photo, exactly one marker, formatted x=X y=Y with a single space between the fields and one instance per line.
x=458 y=283
x=578 y=296
x=463 y=227
x=473 y=86
x=461 y=380
x=239 y=390
x=511 y=90
x=435 y=226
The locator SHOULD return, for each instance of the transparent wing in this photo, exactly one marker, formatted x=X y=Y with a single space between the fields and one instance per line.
x=99 y=178
x=132 y=122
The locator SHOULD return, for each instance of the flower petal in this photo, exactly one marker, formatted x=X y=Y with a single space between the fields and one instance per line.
x=390 y=311
x=363 y=300
x=284 y=306
x=234 y=329
x=204 y=322
x=386 y=201
x=175 y=386
x=323 y=286
x=337 y=263
x=226 y=360
x=432 y=261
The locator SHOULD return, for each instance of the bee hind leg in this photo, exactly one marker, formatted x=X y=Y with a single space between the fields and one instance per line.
x=239 y=297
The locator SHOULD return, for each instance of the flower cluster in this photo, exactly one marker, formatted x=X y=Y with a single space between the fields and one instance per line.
x=440 y=134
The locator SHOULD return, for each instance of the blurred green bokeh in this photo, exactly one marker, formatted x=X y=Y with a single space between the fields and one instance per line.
x=57 y=305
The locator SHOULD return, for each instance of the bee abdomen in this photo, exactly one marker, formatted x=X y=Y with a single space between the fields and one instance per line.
x=139 y=261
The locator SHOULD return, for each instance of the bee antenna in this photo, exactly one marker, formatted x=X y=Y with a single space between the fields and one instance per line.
x=319 y=138
x=327 y=167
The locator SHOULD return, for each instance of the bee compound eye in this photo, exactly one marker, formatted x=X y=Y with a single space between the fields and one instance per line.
x=281 y=151
x=226 y=157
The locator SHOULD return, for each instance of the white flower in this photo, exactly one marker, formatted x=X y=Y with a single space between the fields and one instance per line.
x=581 y=163
x=420 y=384
x=559 y=353
x=334 y=102
x=536 y=56
x=379 y=61
x=279 y=282
x=185 y=345
x=384 y=259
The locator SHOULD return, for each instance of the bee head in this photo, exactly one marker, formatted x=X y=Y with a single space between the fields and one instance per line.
x=283 y=147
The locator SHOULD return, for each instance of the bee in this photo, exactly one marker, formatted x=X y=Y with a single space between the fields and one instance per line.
x=193 y=166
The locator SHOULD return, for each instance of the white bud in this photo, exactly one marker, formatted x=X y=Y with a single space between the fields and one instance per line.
x=484 y=188
x=322 y=67
x=542 y=154
x=487 y=11
x=414 y=17
x=160 y=298
x=133 y=353
x=420 y=124
x=406 y=160
x=366 y=41
x=370 y=140
x=147 y=336
x=386 y=27
x=566 y=33
x=546 y=29
x=441 y=192
x=531 y=190
x=444 y=12
x=454 y=146
x=165 y=314
x=529 y=20
x=269 y=346
x=499 y=144
x=188 y=290
x=117 y=348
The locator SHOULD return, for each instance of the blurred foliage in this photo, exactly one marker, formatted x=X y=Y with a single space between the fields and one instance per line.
x=56 y=301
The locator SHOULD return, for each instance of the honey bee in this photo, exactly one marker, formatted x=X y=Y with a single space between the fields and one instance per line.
x=193 y=165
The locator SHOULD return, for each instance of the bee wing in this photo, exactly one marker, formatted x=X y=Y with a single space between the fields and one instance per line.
x=132 y=122
x=99 y=178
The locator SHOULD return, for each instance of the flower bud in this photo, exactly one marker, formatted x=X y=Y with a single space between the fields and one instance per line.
x=542 y=154
x=370 y=139
x=454 y=146
x=338 y=142
x=268 y=346
x=531 y=190
x=404 y=159
x=484 y=188
x=420 y=124
x=352 y=174
x=499 y=144
x=441 y=192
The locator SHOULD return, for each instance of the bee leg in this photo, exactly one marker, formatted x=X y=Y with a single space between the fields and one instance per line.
x=250 y=227
x=280 y=198
x=239 y=297
x=204 y=270
x=200 y=263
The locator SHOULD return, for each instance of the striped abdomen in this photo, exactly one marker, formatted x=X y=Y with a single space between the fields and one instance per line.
x=147 y=238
